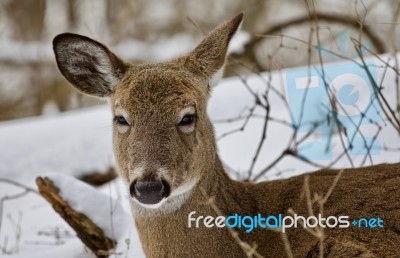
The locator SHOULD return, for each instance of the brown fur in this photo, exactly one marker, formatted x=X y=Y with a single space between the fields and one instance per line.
x=152 y=95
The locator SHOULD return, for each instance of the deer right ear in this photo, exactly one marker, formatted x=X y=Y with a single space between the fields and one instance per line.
x=88 y=65
x=209 y=57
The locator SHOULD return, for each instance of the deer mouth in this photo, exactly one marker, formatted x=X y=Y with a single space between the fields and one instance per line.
x=150 y=192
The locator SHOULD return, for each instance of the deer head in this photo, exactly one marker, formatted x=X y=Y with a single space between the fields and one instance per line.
x=163 y=139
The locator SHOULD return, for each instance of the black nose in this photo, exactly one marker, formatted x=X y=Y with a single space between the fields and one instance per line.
x=149 y=192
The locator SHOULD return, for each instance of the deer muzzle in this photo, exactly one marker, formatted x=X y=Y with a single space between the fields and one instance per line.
x=149 y=192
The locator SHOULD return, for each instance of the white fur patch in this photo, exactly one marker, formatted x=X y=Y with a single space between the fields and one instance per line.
x=150 y=206
x=184 y=188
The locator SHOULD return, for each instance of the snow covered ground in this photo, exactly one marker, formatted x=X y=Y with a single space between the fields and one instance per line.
x=79 y=142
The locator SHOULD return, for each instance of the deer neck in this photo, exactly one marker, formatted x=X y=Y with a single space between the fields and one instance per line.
x=161 y=232
x=228 y=195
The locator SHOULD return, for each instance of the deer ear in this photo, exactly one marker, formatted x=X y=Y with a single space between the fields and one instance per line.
x=210 y=55
x=88 y=65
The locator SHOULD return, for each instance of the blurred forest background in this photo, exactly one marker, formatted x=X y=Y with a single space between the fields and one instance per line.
x=149 y=30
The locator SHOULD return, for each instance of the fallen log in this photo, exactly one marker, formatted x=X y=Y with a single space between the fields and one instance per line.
x=88 y=232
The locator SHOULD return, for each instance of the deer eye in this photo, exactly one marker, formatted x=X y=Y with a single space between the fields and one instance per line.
x=187 y=120
x=120 y=120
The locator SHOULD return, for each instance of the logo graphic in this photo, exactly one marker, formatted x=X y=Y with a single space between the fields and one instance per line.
x=339 y=96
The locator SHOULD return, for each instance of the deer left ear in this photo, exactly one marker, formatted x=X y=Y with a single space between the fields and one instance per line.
x=88 y=65
x=209 y=56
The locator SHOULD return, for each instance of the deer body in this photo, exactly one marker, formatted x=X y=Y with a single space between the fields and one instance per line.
x=364 y=192
x=166 y=153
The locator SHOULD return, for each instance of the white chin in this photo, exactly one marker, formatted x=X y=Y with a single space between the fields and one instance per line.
x=150 y=206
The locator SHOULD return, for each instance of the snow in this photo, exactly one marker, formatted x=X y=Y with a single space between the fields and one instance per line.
x=72 y=249
x=39 y=225
x=79 y=142
x=239 y=40
x=50 y=108
x=75 y=143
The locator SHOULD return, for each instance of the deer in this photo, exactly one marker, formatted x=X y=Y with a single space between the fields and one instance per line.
x=166 y=153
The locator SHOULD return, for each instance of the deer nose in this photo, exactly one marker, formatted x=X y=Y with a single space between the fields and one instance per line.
x=149 y=192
